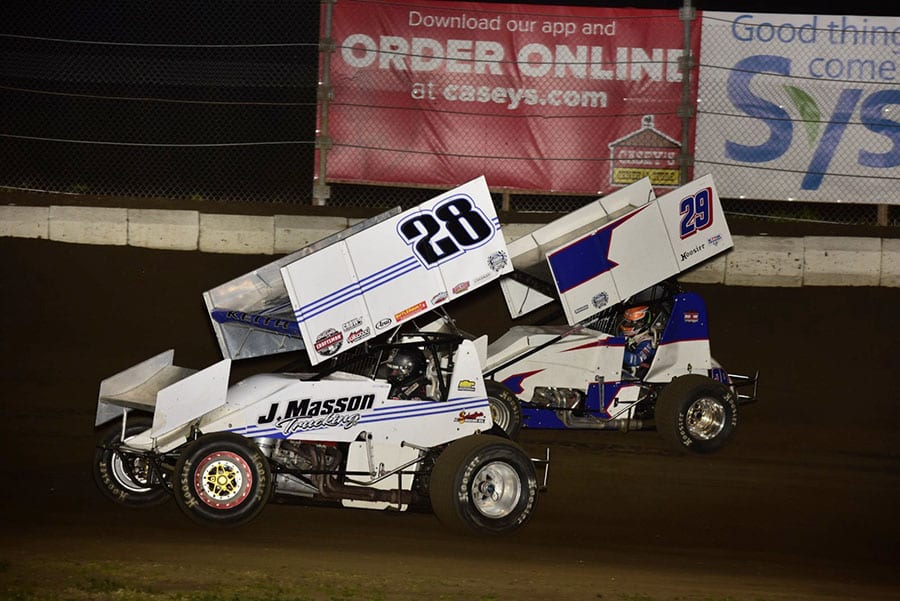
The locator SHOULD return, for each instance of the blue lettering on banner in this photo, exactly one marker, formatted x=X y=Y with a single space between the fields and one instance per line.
x=874 y=106
x=830 y=139
x=781 y=128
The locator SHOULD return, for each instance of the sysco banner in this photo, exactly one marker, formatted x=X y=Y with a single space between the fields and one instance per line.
x=800 y=107
x=543 y=98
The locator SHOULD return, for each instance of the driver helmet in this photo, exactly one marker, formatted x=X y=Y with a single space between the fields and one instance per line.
x=636 y=320
x=404 y=364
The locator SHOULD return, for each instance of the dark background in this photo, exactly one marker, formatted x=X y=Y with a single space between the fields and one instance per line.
x=801 y=505
x=192 y=100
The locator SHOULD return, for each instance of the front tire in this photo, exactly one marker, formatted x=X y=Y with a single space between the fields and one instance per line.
x=697 y=414
x=222 y=479
x=483 y=484
x=126 y=477
x=506 y=410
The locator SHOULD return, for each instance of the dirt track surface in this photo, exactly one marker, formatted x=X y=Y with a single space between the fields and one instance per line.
x=803 y=504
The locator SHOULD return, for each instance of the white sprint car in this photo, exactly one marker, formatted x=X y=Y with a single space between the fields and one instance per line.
x=348 y=430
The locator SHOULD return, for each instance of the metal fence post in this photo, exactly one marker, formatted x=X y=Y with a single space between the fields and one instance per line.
x=324 y=95
x=686 y=109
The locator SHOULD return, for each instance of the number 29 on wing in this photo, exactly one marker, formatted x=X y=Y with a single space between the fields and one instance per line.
x=696 y=212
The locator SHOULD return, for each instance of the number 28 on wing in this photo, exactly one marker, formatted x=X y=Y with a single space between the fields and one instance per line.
x=454 y=226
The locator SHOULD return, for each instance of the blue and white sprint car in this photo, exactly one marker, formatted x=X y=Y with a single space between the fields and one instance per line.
x=634 y=351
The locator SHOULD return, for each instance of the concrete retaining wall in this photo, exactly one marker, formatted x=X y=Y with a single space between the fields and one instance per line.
x=754 y=260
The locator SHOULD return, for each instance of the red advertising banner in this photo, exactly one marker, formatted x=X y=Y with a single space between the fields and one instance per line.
x=555 y=99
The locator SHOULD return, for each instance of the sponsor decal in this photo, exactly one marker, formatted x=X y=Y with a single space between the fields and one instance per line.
x=466 y=385
x=497 y=261
x=720 y=375
x=439 y=298
x=259 y=320
x=472 y=417
x=307 y=414
x=353 y=323
x=410 y=311
x=581 y=309
x=382 y=324
x=691 y=317
x=714 y=241
x=328 y=342
x=358 y=335
x=645 y=152
x=693 y=251
x=600 y=300
x=461 y=287
x=483 y=277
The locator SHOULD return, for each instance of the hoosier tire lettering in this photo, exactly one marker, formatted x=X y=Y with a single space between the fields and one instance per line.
x=483 y=484
x=506 y=410
x=695 y=413
x=125 y=477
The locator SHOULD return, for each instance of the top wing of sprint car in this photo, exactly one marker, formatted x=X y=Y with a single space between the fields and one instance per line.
x=615 y=247
x=347 y=288
x=252 y=314
x=330 y=297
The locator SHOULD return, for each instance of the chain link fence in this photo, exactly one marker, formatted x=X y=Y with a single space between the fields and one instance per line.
x=805 y=103
x=206 y=100
x=165 y=99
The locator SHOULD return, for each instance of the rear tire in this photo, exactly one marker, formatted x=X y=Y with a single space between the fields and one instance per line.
x=483 y=484
x=125 y=477
x=506 y=410
x=697 y=414
x=222 y=479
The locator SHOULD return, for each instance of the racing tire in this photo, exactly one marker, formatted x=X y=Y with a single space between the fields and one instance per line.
x=127 y=478
x=222 y=479
x=484 y=485
x=506 y=410
x=697 y=414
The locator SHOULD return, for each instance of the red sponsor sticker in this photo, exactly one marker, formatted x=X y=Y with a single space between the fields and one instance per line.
x=409 y=311
x=461 y=287
x=470 y=416
x=328 y=342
